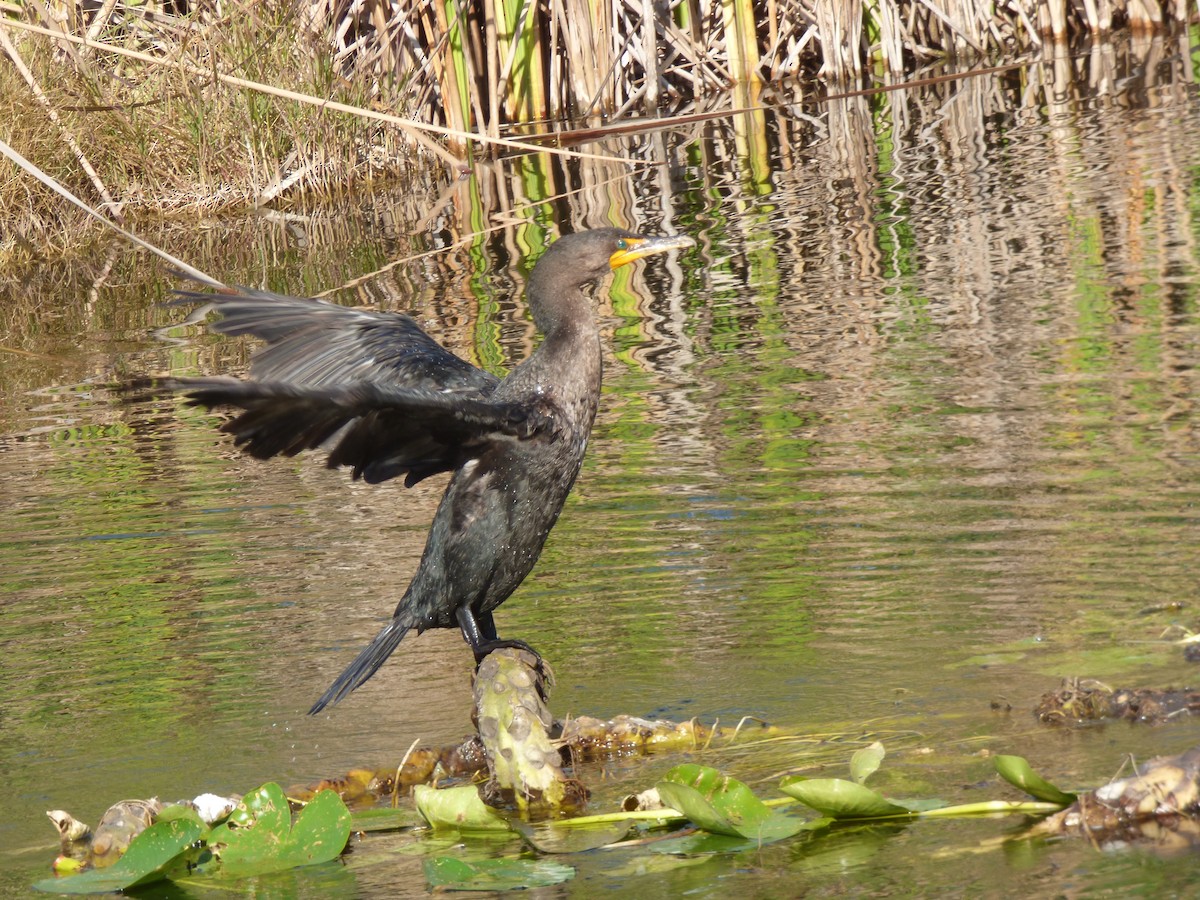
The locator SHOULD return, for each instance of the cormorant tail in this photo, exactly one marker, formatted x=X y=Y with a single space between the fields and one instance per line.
x=365 y=664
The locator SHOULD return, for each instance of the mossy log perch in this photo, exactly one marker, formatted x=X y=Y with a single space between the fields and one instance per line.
x=514 y=723
x=520 y=756
x=523 y=751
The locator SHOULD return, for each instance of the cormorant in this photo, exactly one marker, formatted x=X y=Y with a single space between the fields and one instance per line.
x=391 y=401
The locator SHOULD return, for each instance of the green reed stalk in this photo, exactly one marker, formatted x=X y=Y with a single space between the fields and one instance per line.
x=456 y=91
x=741 y=39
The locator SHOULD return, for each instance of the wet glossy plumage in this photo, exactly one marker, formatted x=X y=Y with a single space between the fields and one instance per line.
x=388 y=400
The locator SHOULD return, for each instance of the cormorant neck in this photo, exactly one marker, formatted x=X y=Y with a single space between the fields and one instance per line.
x=559 y=310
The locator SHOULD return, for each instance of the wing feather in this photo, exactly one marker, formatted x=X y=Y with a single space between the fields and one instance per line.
x=378 y=431
x=316 y=343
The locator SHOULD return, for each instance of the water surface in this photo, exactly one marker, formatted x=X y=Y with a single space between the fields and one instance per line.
x=909 y=437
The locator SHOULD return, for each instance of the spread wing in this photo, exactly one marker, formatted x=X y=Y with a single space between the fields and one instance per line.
x=388 y=398
x=379 y=431
x=315 y=343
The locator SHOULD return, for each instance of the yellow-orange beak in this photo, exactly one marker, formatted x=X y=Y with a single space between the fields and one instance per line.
x=637 y=247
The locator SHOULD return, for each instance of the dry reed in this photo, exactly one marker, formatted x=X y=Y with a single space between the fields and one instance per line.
x=130 y=130
x=162 y=112
x=494 y=63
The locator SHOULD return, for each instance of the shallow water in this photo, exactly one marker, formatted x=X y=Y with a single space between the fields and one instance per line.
x=910 y=436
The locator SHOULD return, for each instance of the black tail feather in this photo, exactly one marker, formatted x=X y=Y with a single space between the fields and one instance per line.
x=365 y=664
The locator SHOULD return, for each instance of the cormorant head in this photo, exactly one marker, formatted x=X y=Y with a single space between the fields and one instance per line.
x=581 y=258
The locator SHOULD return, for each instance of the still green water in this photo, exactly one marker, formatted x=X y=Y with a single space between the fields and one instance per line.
x=908 y=437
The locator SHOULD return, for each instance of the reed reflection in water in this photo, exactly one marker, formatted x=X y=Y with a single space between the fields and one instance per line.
x=912 y=431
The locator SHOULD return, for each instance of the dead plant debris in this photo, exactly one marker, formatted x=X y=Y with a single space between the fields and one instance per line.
x=1081 y=700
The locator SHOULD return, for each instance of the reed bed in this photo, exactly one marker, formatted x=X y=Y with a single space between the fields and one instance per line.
x=165 y=106
x=124 y=105
x=802 y=220
x=486 y=65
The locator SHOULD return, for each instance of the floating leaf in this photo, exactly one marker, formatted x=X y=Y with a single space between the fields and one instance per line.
x=724 y=805
x=260 y=837
x=384 y=819
x=448 y=872
x=153 y=855
x=457 y=807
x=320 y=832
x=865 y=761
x=841 y=799
x=554 y=838
x=1017 y=772
x=919 y=804
x=639 y=864
x=178 y=811
x=266 y=808
x=709 y=844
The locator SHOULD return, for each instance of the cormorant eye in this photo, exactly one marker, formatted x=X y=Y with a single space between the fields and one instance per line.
x=622 y=244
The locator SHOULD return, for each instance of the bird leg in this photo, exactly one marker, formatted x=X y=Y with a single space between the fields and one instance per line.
x=480 y=632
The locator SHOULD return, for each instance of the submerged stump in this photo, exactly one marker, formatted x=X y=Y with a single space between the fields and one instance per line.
x=525 y=753
x=521 y=753
x=516 y=727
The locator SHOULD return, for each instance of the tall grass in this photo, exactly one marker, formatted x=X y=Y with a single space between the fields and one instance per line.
x=166 y=105
x=795 y=185
x=487 y=64
x=137 y=130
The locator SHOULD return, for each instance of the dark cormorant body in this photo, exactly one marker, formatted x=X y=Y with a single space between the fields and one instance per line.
x=391 y=401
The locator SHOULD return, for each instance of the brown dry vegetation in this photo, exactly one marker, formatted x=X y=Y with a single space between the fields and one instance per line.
x=548 y=59
x=132 y=135
x=194 y=106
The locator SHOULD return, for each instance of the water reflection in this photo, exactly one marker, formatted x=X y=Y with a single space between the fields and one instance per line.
x=911 y=430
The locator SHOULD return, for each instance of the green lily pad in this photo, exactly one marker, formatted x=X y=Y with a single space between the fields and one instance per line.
x=259 y=836
x=919 y=804
x=458 y=807
x=554 y=838
x=384 y=819
x=723 y=805
x=841 y=799
x=1017 y=772
x=320 y=832
x=704 y=843
x=866 y=761
x=154 y=855
x=641 y=864
x=451 y=873
x=266 y=808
